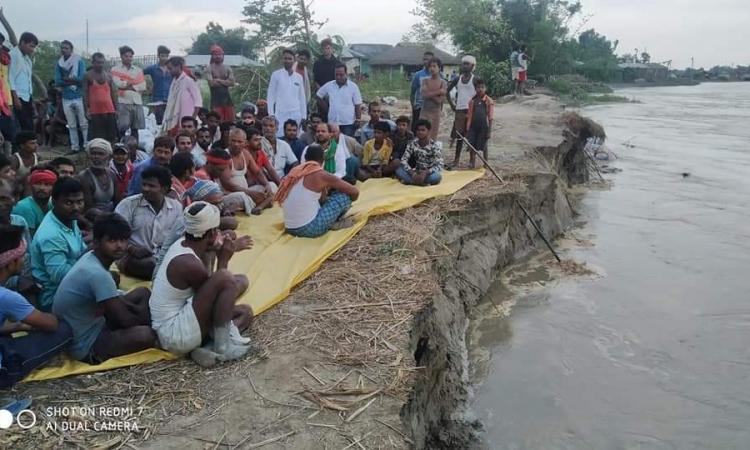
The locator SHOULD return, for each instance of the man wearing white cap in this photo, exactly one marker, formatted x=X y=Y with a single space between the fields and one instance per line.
x=98 y=182
x=464 y=85
x=187 y=304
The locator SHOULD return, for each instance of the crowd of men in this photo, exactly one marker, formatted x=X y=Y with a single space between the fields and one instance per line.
x=168 y=214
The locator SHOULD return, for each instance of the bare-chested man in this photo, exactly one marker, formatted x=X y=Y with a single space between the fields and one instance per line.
x=220 y=78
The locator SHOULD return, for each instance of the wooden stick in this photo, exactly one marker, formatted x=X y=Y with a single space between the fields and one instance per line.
x=518 y=202
x=272 y=440
x=357 y=441
x=359 y=411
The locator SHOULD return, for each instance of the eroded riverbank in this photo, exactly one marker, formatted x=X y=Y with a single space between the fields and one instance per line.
x=371 y=349
x=651 y=351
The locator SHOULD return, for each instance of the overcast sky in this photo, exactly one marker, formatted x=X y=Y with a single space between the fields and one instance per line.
x=713 y=32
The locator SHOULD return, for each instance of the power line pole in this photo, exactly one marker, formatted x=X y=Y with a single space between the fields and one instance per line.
x=87 y=37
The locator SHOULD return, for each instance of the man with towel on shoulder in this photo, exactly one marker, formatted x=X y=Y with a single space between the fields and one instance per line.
x=313 y=200
x=187 y=304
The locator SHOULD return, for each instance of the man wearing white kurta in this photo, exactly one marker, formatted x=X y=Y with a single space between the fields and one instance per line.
x=286 y=94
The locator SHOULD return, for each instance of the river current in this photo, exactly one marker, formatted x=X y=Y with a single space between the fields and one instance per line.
x=652 y=351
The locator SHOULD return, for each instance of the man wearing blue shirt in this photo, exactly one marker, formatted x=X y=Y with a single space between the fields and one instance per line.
x=161 y=80
x=163 y=148
x=105 y=322
x=69 y=74
x=58 y=243
x=416 y=89
x=19 y=75
x=44 y=335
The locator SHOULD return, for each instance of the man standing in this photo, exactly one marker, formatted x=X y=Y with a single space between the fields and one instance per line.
x=464 y=85
x=324 y=70
x=416 y=88
x=278 y=150
x=7 y=126
x=100 y=100
x=69 y=74
x=344 y=101
x=184 y=98
x=220 y=78
x=58 y=243
x=523 y=66
x=19 y=74
x=286 y=93
x=161 y=78
x=514 y=67
x=130 y=84
x=300 y=66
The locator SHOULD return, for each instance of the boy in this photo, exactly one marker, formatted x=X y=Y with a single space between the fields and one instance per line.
x=376 y=156
x=479 y=121
x=44 y=336
x=122 y=170
x=26 y=157
x=427 y=163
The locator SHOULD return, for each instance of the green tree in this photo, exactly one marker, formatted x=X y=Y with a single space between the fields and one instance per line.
x=45 y=58
x=234 y=41
x=282 y=22
x=489 y=28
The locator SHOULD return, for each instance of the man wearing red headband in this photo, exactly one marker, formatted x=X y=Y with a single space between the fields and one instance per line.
x=35 y=206
x=220 y=78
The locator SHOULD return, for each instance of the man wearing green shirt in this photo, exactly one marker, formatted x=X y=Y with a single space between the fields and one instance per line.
x=58 y=242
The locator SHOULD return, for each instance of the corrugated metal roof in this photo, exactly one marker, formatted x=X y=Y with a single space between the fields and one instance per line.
x=411 y=54
x=370 y=50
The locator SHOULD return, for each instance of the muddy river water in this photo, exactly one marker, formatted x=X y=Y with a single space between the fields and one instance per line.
x=652 y=352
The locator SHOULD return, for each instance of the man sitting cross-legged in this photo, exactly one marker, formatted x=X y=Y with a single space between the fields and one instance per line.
x=187 y=303
x=376 y=155
x=422 y=160
x=150 y=215
x=105 y=323
x=310 y=208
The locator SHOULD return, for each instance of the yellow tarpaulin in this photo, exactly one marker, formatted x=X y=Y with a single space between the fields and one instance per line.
x=282 y=261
